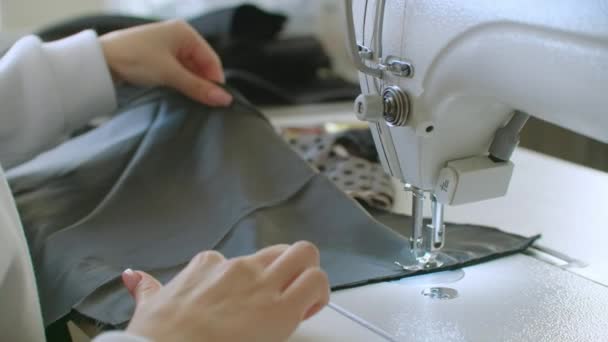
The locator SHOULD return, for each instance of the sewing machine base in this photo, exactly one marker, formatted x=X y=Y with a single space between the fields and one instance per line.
x=517 y=298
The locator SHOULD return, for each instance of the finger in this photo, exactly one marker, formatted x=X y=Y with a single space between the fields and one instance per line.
x=140 y=285
x=268 y=255
x=196 y=87
x=308 y=293
x=197 y=269
x=313 y=310
x=295 y=260
x=207 y=62
x=196 y=52
x=130 y=279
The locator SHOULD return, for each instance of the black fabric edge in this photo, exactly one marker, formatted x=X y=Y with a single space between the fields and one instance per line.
x=491 y=257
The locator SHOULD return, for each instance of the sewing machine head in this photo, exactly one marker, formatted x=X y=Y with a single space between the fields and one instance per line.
x=446 y=86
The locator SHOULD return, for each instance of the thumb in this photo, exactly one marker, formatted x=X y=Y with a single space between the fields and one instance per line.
x=140 y=285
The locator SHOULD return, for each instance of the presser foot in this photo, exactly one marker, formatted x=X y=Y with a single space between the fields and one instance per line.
x=427 y=262
x=426 y=241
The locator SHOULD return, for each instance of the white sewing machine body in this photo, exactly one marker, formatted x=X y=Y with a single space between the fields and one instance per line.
x=467 y=68
x=473 y=64
x=448 y=85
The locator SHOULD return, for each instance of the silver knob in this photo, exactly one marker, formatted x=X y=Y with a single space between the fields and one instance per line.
x=369 y=107
x=396 y=106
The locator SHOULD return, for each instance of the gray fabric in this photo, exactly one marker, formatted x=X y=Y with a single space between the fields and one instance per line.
x=168 y=178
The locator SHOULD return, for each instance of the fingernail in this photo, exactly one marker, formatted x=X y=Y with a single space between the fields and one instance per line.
x=130 y=278
x=219 y=97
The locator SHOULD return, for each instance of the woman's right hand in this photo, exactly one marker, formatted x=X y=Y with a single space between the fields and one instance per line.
x=260 y=297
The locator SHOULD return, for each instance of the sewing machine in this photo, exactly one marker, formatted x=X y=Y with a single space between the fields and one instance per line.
x=448 y=85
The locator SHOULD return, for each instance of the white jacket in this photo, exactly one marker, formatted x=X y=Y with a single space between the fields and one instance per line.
x=46 y=90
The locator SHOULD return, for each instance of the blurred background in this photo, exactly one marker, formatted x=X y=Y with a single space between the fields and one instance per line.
x=318 y=18
x=22 y=15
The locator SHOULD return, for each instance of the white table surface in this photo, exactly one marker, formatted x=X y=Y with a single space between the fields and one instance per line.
x=565 y=202
x=516 y=298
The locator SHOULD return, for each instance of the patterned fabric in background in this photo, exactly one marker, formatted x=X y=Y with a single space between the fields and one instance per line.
x=349 y=159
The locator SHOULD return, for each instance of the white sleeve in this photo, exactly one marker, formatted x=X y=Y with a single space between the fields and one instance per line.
x=49 y=89
x=119 y=336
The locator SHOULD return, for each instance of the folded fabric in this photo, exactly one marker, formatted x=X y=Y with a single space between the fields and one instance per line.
x=168 y=177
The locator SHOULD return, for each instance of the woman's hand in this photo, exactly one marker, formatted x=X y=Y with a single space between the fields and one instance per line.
x=262 y=297
x=168 y=53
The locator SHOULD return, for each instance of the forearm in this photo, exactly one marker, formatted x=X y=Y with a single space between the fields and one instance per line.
x=48 y=90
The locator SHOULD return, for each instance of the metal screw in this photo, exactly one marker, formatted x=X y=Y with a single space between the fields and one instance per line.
x=400 y=68
x=365 y=52
x=406 y=70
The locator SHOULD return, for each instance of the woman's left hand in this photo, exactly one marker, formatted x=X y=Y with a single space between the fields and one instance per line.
x=168 y=53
